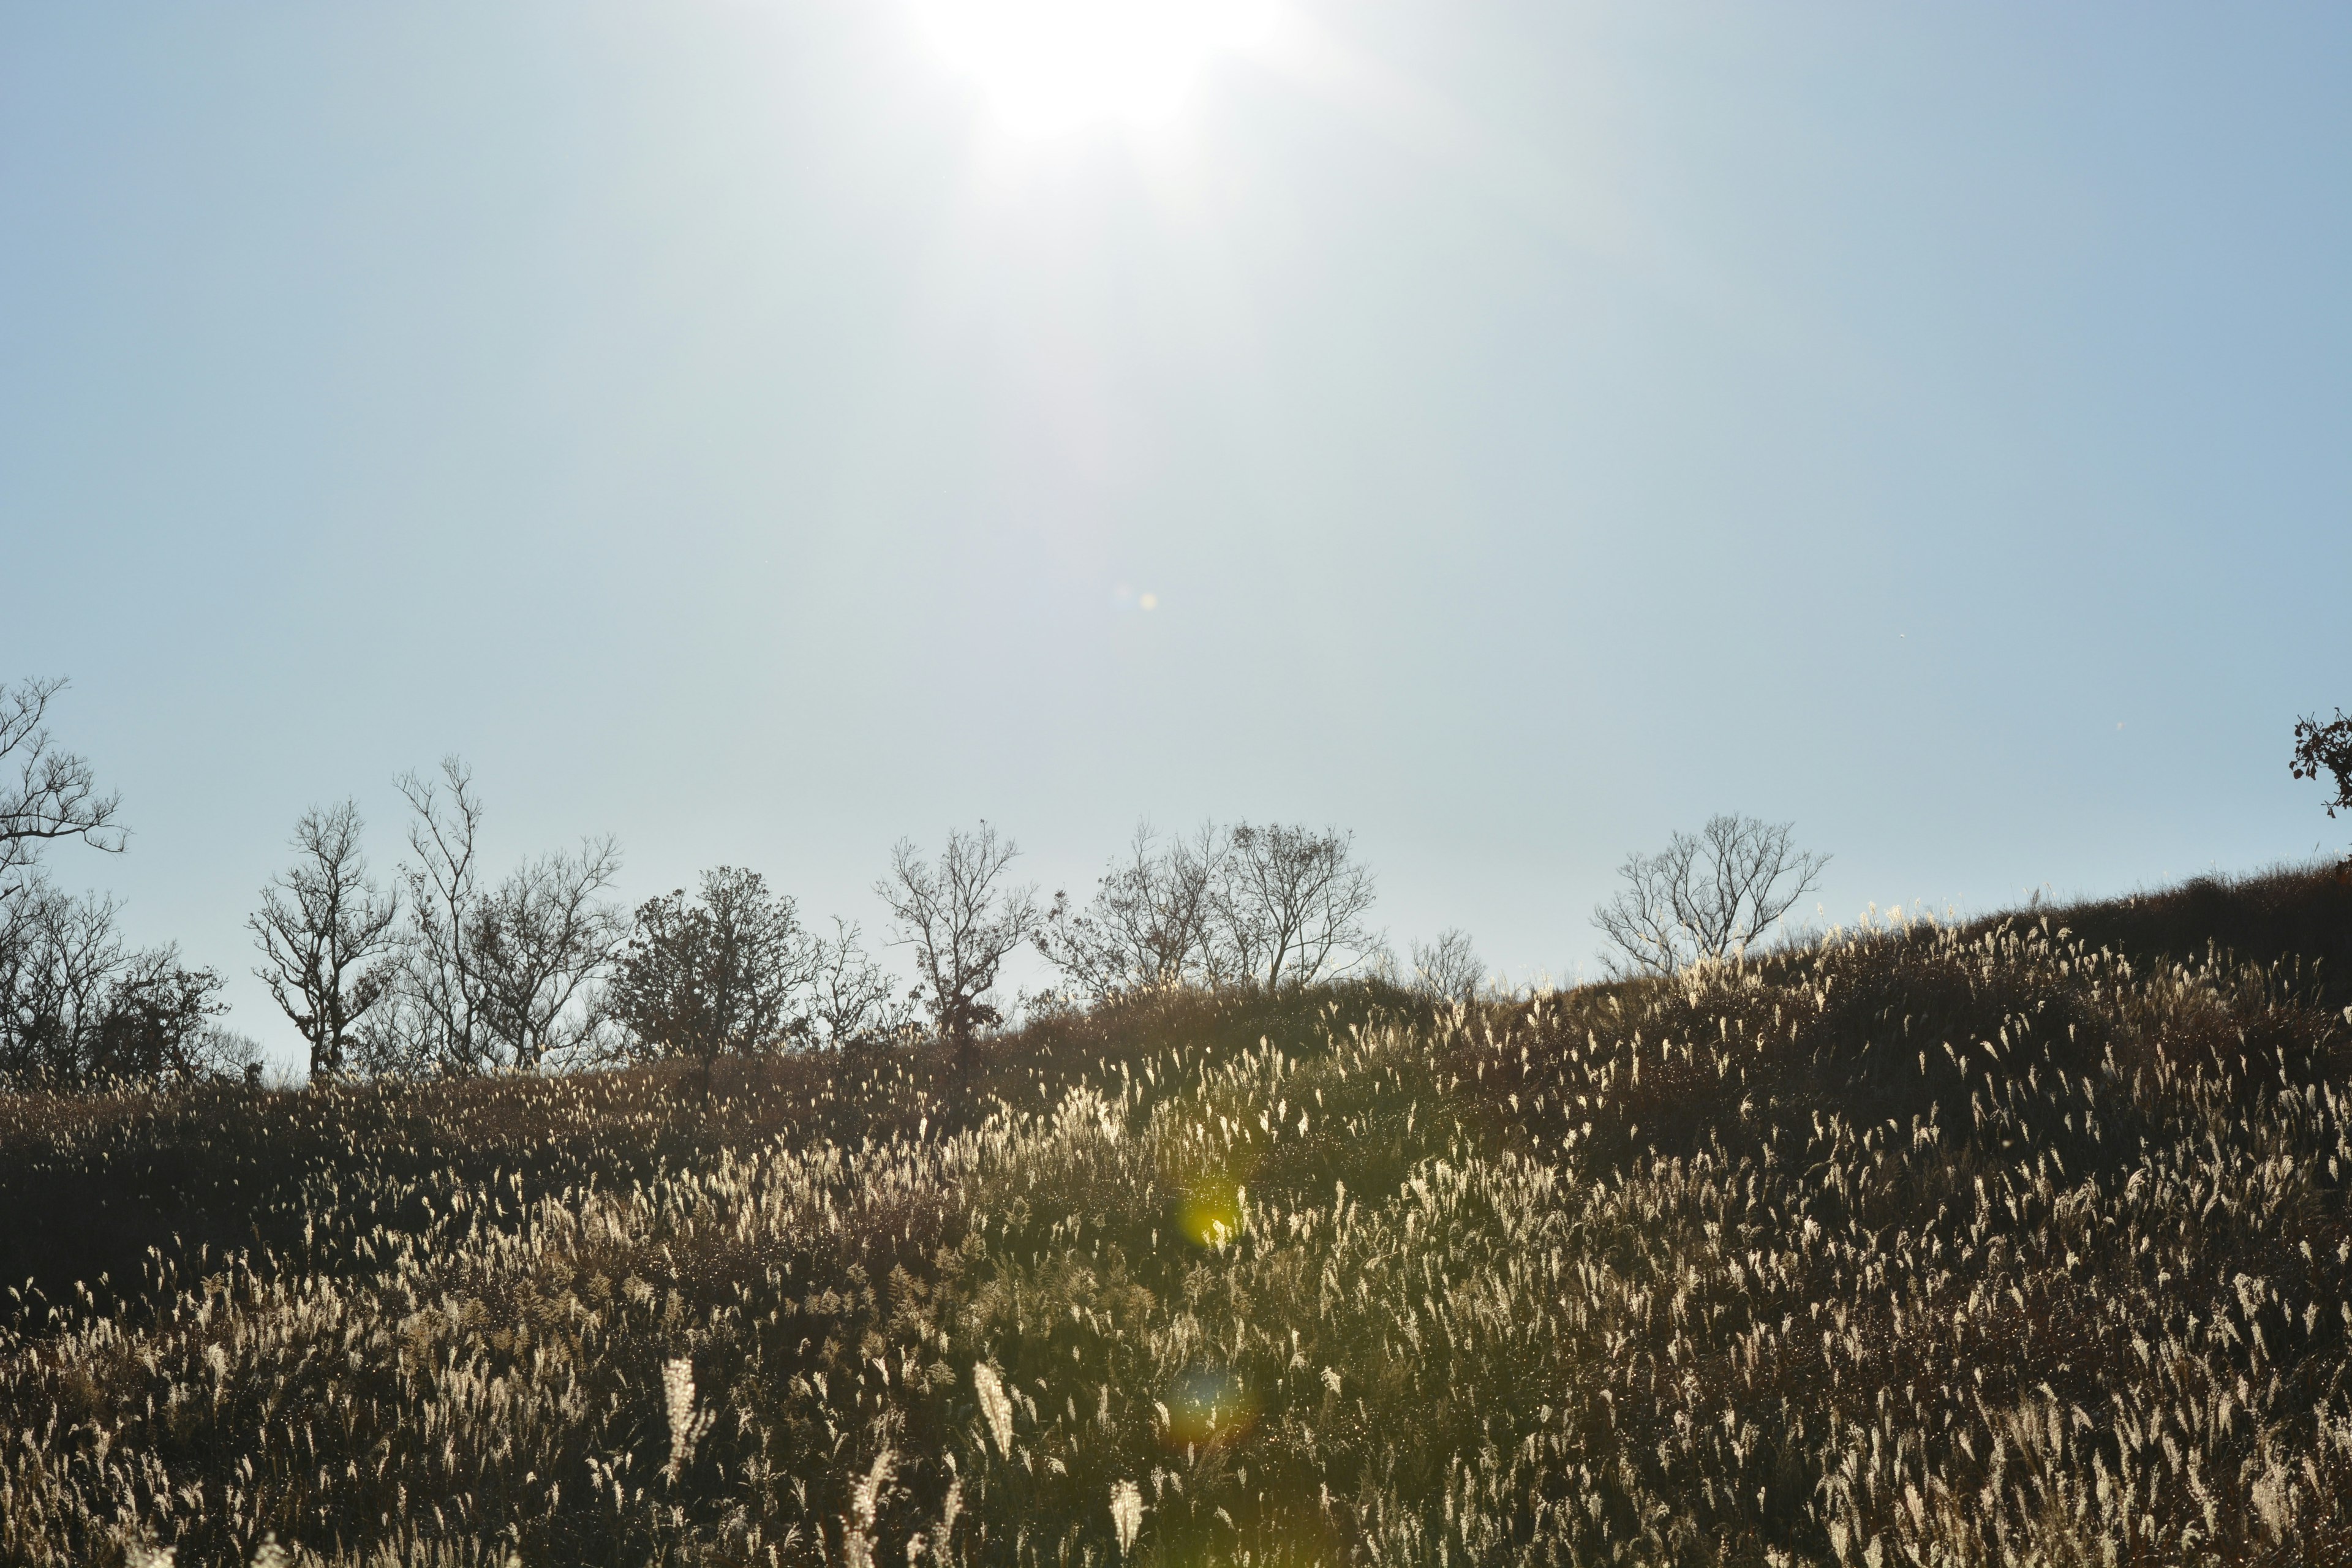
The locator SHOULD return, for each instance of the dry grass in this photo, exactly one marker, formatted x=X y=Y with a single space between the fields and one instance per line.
x=1916 y=1246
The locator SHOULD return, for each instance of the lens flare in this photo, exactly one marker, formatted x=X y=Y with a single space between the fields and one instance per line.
x=1211 y=1214
x=1208 y=1408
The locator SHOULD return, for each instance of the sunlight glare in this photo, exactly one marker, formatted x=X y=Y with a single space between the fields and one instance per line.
x=1050 y=66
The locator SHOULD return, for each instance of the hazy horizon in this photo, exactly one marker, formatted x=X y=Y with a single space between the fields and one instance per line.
x=754 y=429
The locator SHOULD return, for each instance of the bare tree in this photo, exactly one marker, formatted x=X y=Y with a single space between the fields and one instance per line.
x=233 y=1056
x=1289 y=905
x=716 y=973
x=852 y=1001
x=79 y=1010
x=541 y=944
x=490 y=976
x=44 y=794
x=325 y=931
x=1448 y=968
x=435 y=1019
x=1150 y=922
x=157 y=1026
x=962 y=924
x=1707 y=895
x=59 y=955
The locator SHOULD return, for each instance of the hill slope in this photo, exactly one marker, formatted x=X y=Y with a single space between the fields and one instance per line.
x=1977 y=1247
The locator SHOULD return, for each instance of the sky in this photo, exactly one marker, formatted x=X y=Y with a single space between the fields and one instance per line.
x=1513 y=432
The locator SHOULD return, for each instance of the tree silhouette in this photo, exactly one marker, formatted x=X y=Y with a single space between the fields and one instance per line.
x=44 y=794
x=962 y=924
x=2326 y=748
x=325 y=931
x=1708 y=894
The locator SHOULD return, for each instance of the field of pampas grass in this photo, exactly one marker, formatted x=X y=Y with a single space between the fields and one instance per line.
x=2021 y=1243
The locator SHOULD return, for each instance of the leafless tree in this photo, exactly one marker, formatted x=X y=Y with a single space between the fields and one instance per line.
x=541 y=942
x=436 y=1017
x=716 y=973
x=852 y=1001
x=157 y=1026
x=234 y=1057
x=1707 y=895
x=1448 y=968
x=79 y=1009
x=58 y=957
x=1289 y=906
x=77 y=1006
x=1150 y=922
x=44 y=794
x=961 y=924
x=489 y=976
x=326 y=934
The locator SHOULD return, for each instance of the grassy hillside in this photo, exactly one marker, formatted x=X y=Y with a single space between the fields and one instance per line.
x=2023 y=1243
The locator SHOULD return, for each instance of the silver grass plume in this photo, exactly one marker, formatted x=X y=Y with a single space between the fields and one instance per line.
x=866 y=1502
x=943 y=1533
x=1126 y=1514
x=995 y=1406
x=678 y=1393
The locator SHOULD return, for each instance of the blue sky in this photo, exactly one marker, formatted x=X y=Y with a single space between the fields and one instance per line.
x=1538 y=428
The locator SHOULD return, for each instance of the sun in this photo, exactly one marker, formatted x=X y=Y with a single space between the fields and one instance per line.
x=1045 y=67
